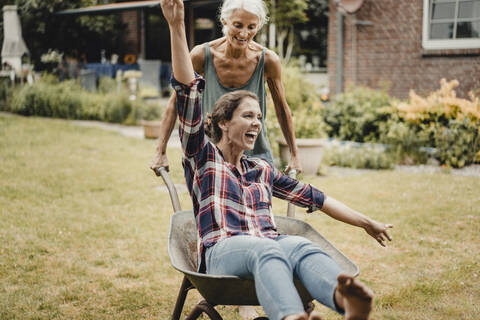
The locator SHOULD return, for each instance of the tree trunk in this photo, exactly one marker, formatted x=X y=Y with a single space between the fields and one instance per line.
x=281 y=35
x=291 y=38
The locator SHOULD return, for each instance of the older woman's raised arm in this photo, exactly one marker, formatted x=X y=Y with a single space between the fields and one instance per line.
x=174 y=13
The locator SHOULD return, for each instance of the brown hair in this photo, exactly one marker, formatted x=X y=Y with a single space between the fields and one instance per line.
x=223 y=111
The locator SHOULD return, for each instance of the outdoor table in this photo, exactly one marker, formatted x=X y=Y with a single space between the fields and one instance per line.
x=110 y=70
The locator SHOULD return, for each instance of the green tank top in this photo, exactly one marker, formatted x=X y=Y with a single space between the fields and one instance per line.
x=256 y=84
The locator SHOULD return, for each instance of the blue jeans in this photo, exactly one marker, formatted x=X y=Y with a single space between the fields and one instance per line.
x=273 y=264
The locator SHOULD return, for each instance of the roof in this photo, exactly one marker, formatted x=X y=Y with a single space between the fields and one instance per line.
x=122 y=6
x=104 y=8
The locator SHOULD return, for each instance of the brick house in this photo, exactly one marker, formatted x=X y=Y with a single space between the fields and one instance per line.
x=408 y=44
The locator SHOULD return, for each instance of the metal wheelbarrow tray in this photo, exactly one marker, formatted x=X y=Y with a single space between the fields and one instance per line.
x=228 y=290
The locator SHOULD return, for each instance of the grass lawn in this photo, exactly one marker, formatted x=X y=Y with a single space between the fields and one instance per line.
x=83 y=231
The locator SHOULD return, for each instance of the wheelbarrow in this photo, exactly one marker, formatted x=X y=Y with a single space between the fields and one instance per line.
x=228 y=290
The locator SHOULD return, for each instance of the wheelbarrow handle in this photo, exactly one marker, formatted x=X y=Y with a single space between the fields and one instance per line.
x=160 y=170
x=292 y=173
x=163 y=172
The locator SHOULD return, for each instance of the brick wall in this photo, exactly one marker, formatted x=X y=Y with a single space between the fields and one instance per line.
x=131 y=37
x=389 y=52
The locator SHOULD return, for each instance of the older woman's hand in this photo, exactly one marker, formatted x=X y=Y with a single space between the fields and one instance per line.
x=294 y=164
x=379 y=231
x=159 y=160
x=173 y=11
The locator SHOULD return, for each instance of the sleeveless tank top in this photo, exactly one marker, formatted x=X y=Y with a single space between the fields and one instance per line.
x=256 y=84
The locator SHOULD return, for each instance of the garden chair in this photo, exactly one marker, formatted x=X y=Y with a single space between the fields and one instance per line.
x=227 y=290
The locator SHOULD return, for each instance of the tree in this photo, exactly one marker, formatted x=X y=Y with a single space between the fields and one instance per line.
x=285 y=14
x=311 y=37
x=42 y=29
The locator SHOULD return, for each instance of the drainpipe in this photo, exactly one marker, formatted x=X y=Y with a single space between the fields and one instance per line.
x=339 y=77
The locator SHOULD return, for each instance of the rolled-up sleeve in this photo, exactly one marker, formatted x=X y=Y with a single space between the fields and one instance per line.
x=299 y=193
x=189 y=107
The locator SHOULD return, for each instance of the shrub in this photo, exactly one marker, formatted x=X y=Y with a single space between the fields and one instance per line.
x=449 y=124
x=6 y=90
x=49 y=98
x=149 y=112
x=309 y=122
x=457 y=144
x=304 y=103
x=116 y=108
x=360 y=114
x=107 y=85
x=406 y=143
x=360 y=157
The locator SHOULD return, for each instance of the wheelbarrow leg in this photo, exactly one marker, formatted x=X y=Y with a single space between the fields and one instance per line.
x=204 y=307
x=182 y=295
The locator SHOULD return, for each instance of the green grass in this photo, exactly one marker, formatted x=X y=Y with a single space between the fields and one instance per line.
x=83 y=231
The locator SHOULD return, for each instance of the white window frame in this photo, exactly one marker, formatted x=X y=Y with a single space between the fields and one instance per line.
x=430 y=44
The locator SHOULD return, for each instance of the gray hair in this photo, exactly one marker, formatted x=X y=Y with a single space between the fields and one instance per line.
x=256 y=7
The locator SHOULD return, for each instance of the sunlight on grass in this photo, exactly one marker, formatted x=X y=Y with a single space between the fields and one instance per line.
x=84 y=226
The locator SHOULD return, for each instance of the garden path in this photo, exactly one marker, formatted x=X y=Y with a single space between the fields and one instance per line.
x=128 y=131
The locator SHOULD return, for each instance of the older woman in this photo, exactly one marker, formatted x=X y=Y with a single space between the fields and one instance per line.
x=236 y=62
x=231 y=195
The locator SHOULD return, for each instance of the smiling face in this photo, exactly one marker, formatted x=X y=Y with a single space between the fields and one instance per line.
x=241 y=28
x=242 y=130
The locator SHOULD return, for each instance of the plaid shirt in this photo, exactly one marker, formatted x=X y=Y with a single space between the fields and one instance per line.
x=225 y=202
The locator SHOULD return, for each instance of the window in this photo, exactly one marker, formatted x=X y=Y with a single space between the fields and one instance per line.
x=451 y=24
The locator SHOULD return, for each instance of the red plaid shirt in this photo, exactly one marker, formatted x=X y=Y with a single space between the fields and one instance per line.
x=225 y=202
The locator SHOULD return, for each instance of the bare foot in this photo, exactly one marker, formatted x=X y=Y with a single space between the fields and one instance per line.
x=302 y=316
x=247 y=312
x=357 y=298
x=314 y=315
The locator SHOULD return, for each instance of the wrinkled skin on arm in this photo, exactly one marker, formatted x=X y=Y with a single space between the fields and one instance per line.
x=273 y=76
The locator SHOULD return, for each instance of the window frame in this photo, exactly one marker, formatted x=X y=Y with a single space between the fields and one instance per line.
x=436 y=44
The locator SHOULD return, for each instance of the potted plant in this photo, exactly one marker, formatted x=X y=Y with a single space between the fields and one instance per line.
x=150 y=115
x=303 y=98
x=309 y=131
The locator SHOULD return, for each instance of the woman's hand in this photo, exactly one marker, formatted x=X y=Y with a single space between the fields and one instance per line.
x=173 y=11
x=379 y=231
x=158 y=161
x=294 y=164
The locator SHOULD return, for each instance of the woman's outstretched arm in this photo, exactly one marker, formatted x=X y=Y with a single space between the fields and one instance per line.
x=307 y=196
x=174 y=13
x=341 y=212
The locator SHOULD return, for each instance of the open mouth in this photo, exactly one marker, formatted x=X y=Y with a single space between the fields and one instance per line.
x=251 y=136
x=241 y=40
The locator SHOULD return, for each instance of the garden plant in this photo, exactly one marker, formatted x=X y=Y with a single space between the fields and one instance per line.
x=68 y=100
